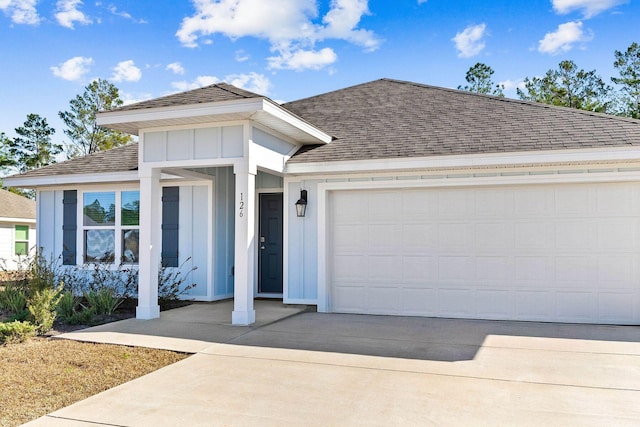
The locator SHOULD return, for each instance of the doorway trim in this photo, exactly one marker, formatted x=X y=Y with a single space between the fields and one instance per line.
x=257 y=294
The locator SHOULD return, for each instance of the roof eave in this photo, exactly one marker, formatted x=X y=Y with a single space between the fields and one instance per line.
x=260 y=110
x=70 y=179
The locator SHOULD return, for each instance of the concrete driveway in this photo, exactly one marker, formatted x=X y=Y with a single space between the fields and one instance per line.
x=317 y=369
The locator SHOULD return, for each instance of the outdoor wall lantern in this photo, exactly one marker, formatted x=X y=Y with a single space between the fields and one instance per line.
x=301 y=204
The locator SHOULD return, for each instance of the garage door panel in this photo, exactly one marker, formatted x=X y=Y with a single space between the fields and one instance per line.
x=576 y=306
x=384 y=268
x=495 y=268
x=534 y=235
x=574 y=235
x=533 y=268
x=535 y=305
x=455 y=268
x=617 y=307
x=545 y=252
x=494 y=235
x=349 y=267
x=496 y=304
x=456 y=302
x=418 y=238
x=419 y=268
x=421 y=301
x=385 y=237
x=455 y=237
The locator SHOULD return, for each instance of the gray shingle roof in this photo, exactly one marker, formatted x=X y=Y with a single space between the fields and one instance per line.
x=392 y=119
x=14 y=206
x=214 y=93
x=120 y=159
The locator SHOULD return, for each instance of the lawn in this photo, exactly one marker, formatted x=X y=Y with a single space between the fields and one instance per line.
x=45 y=374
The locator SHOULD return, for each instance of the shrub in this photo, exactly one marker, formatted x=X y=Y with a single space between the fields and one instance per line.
x=16 y=331
x=42 y=307
x=67 y=305
x=103 y=301
x=171 y=282
x=82 y=317
x=13 y=299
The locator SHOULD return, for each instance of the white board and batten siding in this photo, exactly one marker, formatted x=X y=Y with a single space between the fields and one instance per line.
x=8 y=257
x=561 y=253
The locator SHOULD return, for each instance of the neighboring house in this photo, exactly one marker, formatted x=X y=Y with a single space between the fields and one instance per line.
x=17 y=229
x=421 y=201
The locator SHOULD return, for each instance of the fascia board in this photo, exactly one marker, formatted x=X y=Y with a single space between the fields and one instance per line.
x=179 y=112
x=286 y=116
x=13 y=220
x=43 y=181
x=468 y=161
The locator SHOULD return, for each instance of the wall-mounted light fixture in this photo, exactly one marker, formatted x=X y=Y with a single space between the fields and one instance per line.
x=301 y=204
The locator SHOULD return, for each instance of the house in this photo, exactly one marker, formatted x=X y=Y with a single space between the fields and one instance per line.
x=17 y=228
x=420 y=201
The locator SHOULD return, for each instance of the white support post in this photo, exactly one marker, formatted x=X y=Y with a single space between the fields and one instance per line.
x=150 y=244
x=243 y=311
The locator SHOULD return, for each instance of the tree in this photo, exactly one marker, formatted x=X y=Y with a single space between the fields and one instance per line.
x=5 y=156
x=85 y=134
x=33 y=148
x=479 y=79
x=569 y=87
x=628 y=66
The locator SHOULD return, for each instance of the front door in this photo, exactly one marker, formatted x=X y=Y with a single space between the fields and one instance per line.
x=270 y=244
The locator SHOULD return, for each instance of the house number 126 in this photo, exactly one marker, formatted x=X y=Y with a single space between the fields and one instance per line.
x=241 y=214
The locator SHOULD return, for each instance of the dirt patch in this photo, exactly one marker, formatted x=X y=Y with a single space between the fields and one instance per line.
x=46 y=374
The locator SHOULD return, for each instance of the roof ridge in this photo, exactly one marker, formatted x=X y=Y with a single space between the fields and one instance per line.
x=518 y=101
x=235 y=92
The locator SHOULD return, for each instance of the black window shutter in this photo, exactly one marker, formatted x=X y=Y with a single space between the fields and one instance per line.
x=170 y=219
x=69 y=226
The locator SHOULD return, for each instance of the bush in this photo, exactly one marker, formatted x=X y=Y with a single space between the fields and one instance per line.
x=103 y=301
x=13 y=299
x=171 y=283
x=67 y=306
x=42 y=307
x=16 y=331
x=82 y=317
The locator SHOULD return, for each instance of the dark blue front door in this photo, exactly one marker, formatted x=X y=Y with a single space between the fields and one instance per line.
x=270 y=244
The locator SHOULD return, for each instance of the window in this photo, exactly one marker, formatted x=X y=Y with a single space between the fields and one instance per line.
x=22 y=240
x=111 y=224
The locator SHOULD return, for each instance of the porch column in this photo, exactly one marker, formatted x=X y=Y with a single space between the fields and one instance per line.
x=243 y=311
x=150 y=244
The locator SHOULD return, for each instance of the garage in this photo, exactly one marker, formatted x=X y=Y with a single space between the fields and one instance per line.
x=552 y=252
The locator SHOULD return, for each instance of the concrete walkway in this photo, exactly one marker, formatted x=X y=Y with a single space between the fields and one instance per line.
x=316 y=369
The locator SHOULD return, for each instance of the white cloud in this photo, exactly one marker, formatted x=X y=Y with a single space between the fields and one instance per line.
x=589 y=8
x=21 y=11
x=126 y=71
x=68 y=13
x=73 y=69
x=129 y=98
x=564 y=38
x=199 y=81
x=291 y=26
x=470 y=41
x=253 y=82
x=303 y=59
x=422 y=1
x=126 y=15
x=241 y=55
x=511 y=85
x=176 y=68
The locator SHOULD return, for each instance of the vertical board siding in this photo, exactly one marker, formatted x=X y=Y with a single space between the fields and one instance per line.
x=170 y=225
x=69 y=227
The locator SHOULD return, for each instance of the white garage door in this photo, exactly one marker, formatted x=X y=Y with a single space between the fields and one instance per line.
x=565 y=253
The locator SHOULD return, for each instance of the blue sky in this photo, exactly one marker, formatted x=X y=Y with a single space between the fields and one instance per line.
x=290 y=49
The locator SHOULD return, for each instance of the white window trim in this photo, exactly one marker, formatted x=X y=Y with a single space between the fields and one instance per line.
x=117 y=227
x=16 y=240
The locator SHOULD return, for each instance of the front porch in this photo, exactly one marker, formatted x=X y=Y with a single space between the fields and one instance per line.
x=189 y=329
